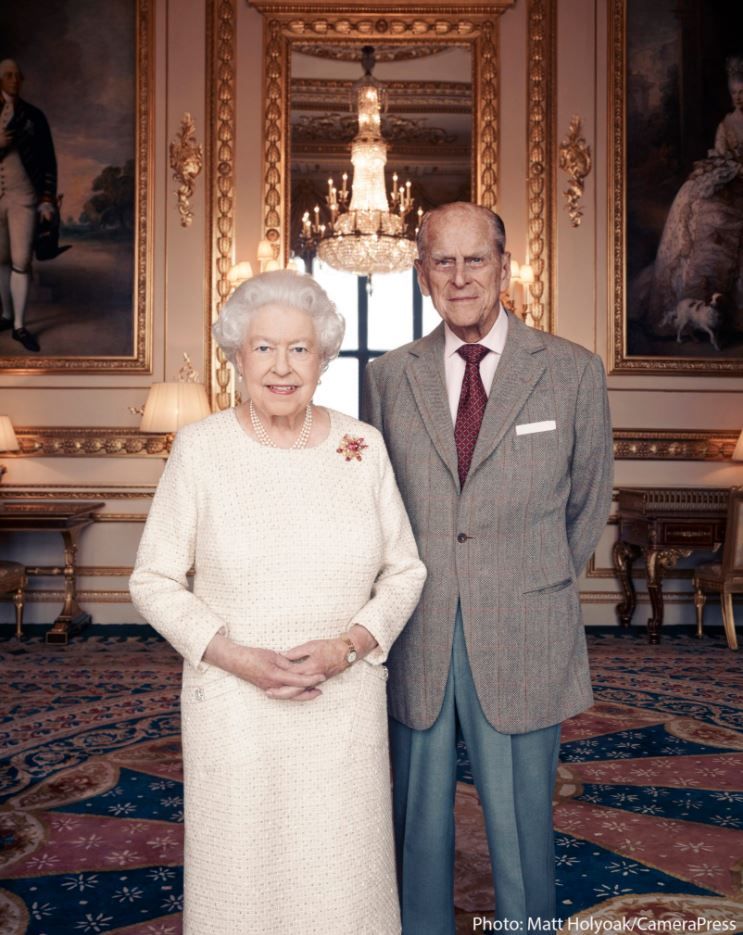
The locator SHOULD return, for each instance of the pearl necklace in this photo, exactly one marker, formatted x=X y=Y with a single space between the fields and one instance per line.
x=265 y=439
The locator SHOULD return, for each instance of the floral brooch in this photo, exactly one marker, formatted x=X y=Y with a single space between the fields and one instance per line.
x=351 y=447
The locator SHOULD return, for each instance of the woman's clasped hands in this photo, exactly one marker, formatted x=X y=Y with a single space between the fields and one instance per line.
x=291 y=676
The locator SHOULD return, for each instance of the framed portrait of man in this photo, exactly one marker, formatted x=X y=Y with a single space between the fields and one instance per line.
x=676 y=212
x=75 y=149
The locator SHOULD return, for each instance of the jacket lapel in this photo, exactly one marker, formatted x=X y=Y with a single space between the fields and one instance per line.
x=520 y=368
x=425 y=373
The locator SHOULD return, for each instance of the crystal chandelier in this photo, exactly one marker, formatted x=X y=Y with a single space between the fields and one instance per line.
x=370 y=234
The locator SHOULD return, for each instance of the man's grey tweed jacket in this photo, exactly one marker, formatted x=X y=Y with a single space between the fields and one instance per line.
x=512 y=543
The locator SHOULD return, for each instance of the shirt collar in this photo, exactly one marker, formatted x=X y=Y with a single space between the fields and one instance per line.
x=494 y=340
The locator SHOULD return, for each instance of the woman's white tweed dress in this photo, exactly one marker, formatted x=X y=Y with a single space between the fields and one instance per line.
x=288 y=811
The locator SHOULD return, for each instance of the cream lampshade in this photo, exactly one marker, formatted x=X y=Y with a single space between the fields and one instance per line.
x=738 y=451
x=170 y=406
x=265 y=255
x=240 y=273
x=8 y=440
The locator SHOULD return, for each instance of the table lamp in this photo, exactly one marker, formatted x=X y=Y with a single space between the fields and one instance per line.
x=738 y=450
x=169 y=406
x=8 y=440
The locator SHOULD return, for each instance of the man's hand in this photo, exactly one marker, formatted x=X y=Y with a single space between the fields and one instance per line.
x=6 y=138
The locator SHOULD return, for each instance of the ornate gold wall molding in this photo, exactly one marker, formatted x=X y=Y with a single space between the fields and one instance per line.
x=613 y=597
x=344 y=127
x=220 y=107
x=44 y=596
x=52 y=442
x=287 y=22
x=186 y=161
x=429 y=97
x=674 y=445
x=82 y=571
x=576 y=162
x=102 y=442
x=76 y=492
x=542 y=96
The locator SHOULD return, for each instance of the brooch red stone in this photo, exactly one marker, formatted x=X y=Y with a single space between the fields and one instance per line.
x=351 y=447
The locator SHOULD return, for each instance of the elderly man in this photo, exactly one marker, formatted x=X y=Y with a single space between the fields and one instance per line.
x=501 y=442
x=28 y=187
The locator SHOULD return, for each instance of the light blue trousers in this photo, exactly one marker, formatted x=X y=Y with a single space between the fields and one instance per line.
x=514 y=775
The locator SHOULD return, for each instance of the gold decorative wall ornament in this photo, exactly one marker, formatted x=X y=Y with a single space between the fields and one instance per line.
x=540 y=170
x=576 y=162
x=186 y=161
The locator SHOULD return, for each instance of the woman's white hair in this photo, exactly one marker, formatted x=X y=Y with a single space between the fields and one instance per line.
x=280 y=287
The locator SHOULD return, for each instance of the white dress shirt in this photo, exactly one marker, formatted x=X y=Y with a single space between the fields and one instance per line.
x=454 y=364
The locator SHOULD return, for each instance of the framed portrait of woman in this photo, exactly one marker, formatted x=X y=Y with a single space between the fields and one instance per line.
x=75 y=154
x=676 y=212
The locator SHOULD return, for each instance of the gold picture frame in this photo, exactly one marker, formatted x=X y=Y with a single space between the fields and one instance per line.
x=136 y=350
x=649 y=331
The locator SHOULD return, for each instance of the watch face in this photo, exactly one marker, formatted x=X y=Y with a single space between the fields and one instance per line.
x=352 y=656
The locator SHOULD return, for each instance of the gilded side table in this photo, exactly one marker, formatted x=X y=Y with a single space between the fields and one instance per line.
x=69 y=518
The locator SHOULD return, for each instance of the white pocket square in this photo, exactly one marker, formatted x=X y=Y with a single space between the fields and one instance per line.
x=529 y=428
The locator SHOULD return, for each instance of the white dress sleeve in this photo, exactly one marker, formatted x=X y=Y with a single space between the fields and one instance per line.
x=399 y=583
x=159 y=583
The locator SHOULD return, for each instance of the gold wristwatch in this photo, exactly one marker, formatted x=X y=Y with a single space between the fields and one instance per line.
x=352 y=655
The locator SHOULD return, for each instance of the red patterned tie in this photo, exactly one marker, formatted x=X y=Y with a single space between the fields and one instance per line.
x=472 y=401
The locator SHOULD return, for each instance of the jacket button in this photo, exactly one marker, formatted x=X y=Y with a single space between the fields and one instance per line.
x=462 y=537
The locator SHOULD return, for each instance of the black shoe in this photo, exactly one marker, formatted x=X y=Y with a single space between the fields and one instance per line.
x=26 y=339
x=5 y=323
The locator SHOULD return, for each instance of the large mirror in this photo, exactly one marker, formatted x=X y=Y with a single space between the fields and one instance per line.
x=439 y=74
x=442 y=67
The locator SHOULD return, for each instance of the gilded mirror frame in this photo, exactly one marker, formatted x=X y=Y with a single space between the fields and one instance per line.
x=286 y=21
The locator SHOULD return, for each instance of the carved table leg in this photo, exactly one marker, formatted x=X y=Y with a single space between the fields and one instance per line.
x=18 y=600
x=656 y=562
x=72 y=617
x=623 y=554
x=700 y=598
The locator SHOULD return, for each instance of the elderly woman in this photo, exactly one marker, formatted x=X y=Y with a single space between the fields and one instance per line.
x=305 y=572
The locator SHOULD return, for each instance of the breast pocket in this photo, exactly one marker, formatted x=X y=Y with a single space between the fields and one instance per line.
x=535 y=446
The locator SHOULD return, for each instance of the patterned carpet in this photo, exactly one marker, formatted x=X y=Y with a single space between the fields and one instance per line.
x=649 y=812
